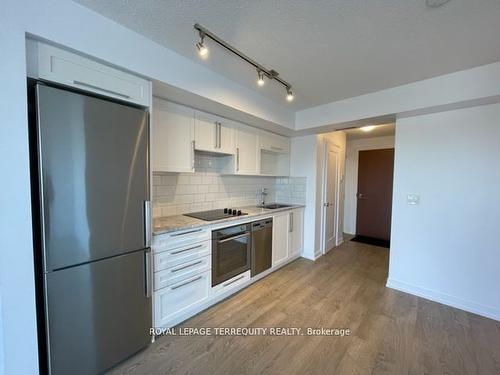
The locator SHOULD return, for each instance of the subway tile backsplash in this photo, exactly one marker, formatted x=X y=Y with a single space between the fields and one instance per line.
x=180 y=193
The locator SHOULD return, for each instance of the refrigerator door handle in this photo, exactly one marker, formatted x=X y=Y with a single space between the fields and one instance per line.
x=147 y=265
x=147 y=223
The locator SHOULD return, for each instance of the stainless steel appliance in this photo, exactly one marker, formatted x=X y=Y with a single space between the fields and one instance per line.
x=262 y=245
x=212 y=215
x=231 y=249
x=90 y=180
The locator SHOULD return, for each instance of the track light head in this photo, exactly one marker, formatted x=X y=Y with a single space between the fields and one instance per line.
x=202 y=49
x=260 y=80
x=289 y=94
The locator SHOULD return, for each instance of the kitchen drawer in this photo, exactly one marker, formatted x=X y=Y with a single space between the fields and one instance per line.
x=181 y=255
x=181 y=238
x=176 y=298
x=231 y=283
x=58 y=65
x=181 y=272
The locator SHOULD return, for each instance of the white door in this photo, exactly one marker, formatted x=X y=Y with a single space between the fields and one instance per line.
x=330 y=196
x=246 y=150
x=280 y=238
x=173 y=136
x=205 y=132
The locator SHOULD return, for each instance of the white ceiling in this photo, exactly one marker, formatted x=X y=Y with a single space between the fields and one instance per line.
x=384 y=130
x=328 y=49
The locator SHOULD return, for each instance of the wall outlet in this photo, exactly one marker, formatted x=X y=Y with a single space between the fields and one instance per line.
x=412 y=199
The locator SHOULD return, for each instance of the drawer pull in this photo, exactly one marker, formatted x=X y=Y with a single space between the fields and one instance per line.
x=186 y=283
x=80 y=83
x=186 y=266
x=188 y=232
x=233 y=281
x=184 y=250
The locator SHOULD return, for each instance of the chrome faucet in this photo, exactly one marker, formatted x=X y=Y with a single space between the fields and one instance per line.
x=263 y=194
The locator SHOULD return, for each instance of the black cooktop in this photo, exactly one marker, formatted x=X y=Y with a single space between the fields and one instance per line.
x=216 y=214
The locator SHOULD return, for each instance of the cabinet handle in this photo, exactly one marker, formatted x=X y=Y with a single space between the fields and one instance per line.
x=192 y=162
x=220 y=135
x=188 y=232
x=80 y=83
x=186 y=266
x=290 y=229
x=216 y=134
x=233 y=281
x=237 y=159
x=184 y=250
x=186 y=283
x=276 y=148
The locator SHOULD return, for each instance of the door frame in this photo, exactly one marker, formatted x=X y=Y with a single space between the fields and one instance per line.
x=338 y=241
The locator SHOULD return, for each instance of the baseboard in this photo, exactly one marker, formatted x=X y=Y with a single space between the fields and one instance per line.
x=310 y=256
x=446 y=299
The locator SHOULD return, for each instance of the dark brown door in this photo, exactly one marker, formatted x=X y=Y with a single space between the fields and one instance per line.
x=375 y=172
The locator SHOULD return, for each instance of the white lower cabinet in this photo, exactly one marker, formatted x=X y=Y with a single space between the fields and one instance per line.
x=183 y=263
x=296 y=232
x=280 y=238
x=175 y=299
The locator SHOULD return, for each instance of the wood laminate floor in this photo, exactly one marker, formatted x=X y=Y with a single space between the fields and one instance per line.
x=391 y=332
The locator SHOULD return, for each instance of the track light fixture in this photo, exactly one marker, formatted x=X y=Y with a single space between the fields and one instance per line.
x=262 y=72
x=202 y=49
x=260 y=80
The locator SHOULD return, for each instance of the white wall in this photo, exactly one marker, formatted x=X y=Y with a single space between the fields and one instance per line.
x=351 y=174
x=447 y=248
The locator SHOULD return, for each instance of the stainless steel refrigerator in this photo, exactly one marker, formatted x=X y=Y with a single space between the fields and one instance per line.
x=91 y=194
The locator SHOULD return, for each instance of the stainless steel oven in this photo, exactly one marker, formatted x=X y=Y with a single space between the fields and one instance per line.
x=231 y=251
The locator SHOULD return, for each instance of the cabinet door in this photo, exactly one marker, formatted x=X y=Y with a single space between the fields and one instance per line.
x=247 y=151
x=173 y=136
x=296 y=228
x=280 y=238
x=206 y=132
x=226 y=137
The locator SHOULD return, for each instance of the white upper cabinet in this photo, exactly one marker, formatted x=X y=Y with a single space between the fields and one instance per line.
x=173 y=137
x=213 y=134
x=274 y=143
x=274 y=154
x=54 y=64
x=247 y=150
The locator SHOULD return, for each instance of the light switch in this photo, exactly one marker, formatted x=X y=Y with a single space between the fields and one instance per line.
x=412 y=199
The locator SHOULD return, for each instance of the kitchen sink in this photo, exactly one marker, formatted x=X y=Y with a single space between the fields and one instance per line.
x=274 y=206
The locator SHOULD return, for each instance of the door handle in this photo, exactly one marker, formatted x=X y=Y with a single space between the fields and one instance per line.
x=147 y=265
x=147 y=223
x=360 y=196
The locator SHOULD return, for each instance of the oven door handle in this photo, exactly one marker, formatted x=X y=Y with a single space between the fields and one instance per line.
x=234 y=237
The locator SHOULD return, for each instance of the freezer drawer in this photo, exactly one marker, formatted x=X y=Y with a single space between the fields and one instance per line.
x=98 y=314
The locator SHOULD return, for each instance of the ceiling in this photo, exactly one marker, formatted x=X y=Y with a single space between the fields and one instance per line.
x=379 y=131
x=327 y=49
